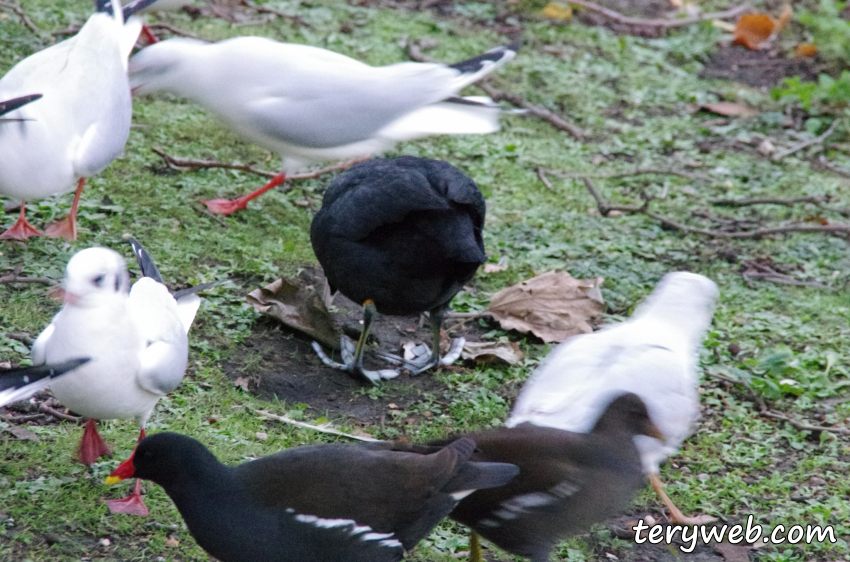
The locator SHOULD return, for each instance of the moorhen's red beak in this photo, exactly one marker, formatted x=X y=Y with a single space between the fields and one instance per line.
x=125 y=470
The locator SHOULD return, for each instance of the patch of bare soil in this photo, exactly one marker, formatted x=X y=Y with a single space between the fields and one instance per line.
x=647 y=9
x=761 y=69
x=278 y=362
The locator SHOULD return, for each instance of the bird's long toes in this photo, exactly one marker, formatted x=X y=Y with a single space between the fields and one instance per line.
x=455 y=350
x=317 y=347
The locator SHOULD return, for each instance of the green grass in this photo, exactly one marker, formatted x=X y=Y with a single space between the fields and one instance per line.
x=635 y=98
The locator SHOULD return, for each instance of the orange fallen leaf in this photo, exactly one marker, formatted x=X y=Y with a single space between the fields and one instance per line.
x=752 y=30
x=558 y=11
x=805 y=50
x=729 y=109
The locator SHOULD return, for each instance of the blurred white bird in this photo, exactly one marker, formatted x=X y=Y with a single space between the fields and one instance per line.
x=136 y=339
x=11 y=105
x=310 y=104
x=78 y=126
x=653 y=354
x=23 y=382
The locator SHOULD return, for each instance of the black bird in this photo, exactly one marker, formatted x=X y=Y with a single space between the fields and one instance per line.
x=321 y=503
x=23 y=382
x=567 y=481
x=401 y=236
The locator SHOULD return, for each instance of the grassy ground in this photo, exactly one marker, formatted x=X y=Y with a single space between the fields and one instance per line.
x=636 y=99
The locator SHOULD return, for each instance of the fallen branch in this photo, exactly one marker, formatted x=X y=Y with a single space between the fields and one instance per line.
x=414 y=52
x=326 y=428
x=16 y=277
x=57 y=414
x=816 y=199
x=665 y=23
x=605 y=208
x=180 y=165
x=541 y=175
x=797 y=147
x=635 y=172
x=803 y=426
x=19 y=11
x=171 y=29
x=755 y=270
x=829 y=166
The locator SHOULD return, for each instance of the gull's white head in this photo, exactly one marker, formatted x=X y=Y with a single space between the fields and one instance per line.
x=686 y=299
x=95 y=276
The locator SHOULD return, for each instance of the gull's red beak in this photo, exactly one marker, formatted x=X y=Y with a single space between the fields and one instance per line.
x=125 y=470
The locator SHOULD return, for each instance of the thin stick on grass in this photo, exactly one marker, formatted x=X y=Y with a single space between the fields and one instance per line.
x=19 y=11
x=541 y=175
x=805 y=144
x=635 y=172
x=326 y=428
x=665 y=23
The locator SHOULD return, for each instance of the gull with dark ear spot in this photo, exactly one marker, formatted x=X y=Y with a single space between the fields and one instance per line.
x=136 y=339
x=653 y=354
x=313 y=105
x=23 y=382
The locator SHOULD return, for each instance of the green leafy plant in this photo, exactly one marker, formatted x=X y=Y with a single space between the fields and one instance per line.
x=826 y=94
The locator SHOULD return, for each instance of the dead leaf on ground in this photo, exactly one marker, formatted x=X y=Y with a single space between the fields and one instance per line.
x=171 y=541
x=733 y=552
x=23 y=433
x=300 y=305
x=752 y=30
x=491 y=351
x=494 y=267
x=729 y=109
x=558 y=11
x=553 y=306
x=242 y=382
x=804 y=50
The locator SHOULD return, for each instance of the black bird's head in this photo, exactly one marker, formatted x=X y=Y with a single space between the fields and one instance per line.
x=627 y=414
x=165 y=458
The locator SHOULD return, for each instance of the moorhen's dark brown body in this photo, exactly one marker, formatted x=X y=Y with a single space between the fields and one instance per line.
x=400 y=236
x=322 y=503
x=567 y=481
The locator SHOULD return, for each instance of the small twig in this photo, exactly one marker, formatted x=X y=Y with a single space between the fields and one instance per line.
x=19 y=11
x=803 y=426
x=16 y=277
x=826 y=164
x=816 y=199
x=665 y=23
x=180 y=164
x=414 y=52
x=21 y=419
x=604 y=207
x=797 y=147
x=635 y=172
x=326 y=428
x=158 y=525
x=57 y=414
x=22 y=337
x=171 y=29
x=67 y=31
x=201 y=209
x=295 y=19
x=541 y=175
x=472 y=315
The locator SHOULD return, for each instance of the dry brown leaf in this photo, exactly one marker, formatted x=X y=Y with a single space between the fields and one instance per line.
x=729 y=109
x=23 y=433
x=490 y=351
x=733 y=552
x=171 y=541
x=805 y=50
x=300 y=306
x=242 y=382
x=752 y=30
x=558 y=11
x=494 y=268
x=553 y=306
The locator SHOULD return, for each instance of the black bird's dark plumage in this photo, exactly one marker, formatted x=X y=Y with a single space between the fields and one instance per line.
x=317 y=503
x=567 y=482
x=405 y=233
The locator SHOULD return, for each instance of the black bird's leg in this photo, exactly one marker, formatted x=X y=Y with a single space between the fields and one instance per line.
x=420 y=363
x=354 y=363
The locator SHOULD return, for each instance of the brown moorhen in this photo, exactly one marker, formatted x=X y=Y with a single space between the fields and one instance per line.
x=320 y=503
x=567 y=481
x=402 y=236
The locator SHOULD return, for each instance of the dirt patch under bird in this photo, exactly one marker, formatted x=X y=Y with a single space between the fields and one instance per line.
x=761 y=69
x=278 y=362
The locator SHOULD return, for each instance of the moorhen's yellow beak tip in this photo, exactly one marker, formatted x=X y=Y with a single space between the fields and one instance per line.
x=110 y=480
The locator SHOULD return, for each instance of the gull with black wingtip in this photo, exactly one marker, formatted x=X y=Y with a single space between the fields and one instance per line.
x=22 y=382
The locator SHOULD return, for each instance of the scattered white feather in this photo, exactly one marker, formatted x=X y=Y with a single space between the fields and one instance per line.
x=654 y=355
